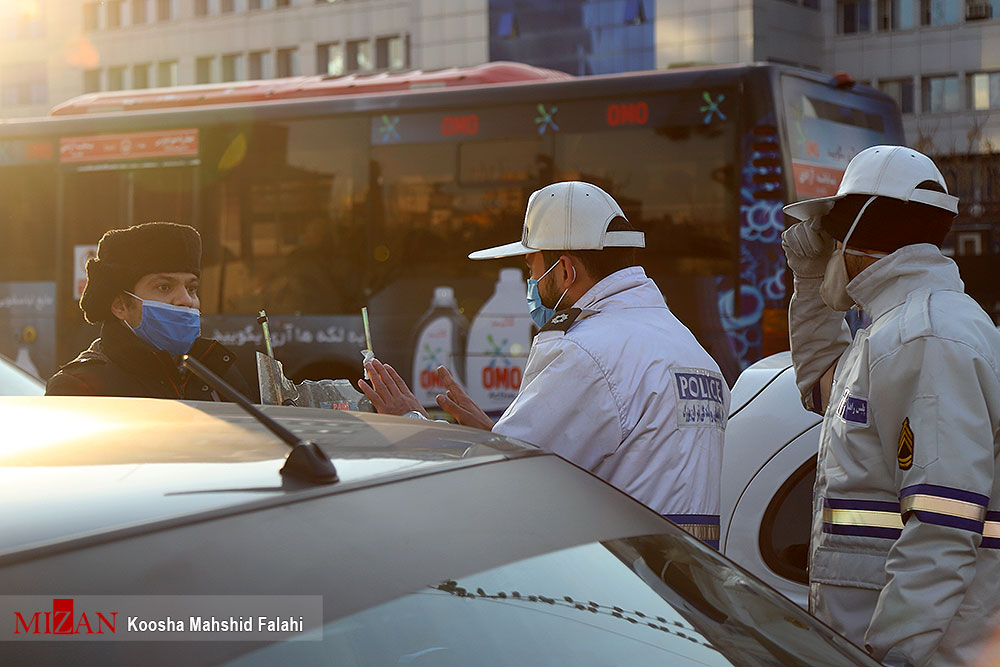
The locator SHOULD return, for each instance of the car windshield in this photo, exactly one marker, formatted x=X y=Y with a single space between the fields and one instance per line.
x=652 y=600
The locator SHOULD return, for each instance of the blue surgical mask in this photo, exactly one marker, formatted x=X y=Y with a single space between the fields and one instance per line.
x=173 y=329
x=540 y=313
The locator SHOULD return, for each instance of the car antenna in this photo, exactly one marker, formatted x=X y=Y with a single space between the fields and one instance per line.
x=306 y=461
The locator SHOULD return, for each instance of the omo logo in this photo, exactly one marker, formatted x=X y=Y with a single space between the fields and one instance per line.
x=63 y=621
x=495 y=376
x=431 y=359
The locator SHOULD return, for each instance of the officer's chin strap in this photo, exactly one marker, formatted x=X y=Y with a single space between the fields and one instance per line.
x=850 y=251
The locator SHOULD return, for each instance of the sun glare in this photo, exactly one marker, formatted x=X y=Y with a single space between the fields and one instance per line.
x=80 y=52
x=29 y=427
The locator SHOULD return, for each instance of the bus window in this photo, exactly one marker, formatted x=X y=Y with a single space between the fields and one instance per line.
x=28 y=196
x=284 y=209
x=827 y=126
x=675 y=179
x=28 y=260
x=437 y=203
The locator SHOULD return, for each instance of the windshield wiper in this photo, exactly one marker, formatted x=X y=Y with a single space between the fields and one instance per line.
x=306 y=461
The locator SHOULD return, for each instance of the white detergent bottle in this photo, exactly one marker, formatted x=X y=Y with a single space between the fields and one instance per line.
x=440 y=341
x=498 y=346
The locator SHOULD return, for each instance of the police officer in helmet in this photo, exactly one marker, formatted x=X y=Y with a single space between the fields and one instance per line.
x=905 y=547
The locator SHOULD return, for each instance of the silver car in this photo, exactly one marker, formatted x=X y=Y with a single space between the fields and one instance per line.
x=433 y=545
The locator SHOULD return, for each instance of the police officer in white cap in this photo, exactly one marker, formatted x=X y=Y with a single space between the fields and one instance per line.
x=614 y=382
x=905 y=553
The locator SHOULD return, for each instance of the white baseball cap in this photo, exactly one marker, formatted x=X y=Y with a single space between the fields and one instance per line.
x=572 y=215
x=885 y=171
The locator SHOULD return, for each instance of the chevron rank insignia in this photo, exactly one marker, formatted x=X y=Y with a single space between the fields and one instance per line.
x=904 y=450
x=562 y=320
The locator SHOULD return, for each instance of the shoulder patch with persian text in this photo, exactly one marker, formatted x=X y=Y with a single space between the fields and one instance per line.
x=853 y=409
x=701 y=398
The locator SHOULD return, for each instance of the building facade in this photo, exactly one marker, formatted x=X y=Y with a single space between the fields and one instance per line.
x=52 y=50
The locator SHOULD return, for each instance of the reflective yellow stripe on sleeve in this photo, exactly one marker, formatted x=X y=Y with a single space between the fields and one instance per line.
x=948 y=506
x=867 y=518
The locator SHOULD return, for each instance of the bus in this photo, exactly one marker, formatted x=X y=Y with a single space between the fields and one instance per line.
x=316 y=196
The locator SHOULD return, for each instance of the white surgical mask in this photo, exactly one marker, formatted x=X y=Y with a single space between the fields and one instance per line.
x=835 y=278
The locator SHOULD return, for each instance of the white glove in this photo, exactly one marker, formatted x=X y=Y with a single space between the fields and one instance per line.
x=807 y=248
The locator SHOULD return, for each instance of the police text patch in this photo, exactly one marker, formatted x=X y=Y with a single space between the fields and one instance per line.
x=853 y=409
x=904 y=450
x=701 y=398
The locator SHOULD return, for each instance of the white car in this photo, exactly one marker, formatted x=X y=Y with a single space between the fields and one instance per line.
x=768 y=470
x=17 y=382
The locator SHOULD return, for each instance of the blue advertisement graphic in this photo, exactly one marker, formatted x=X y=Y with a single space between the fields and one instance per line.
x=762 y=263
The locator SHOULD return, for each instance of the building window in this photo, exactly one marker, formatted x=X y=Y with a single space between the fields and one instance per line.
x=900 y=90
x=115 y=9
x=984 y=91
x=259 y=66
x=24 y=83
x=634 y=14
x=897 y=14
x=116 y=78
x=507 y=26
x=166 y=74
x=90 y=16
x=232 y=67
x=165 y=10
x=24 y=21
x=139 y=13
x=203 y=69
x=140 y=76
x=288 y=62
x=853 y=16
x=201 y=7
x=330 y=59
x=940 y=94
x=283 y=3
x=92 y=81
x=228 y=6
x=969 y=243
x=390 y=53
x=359 y=55
x=981 y=10
x=939 y=12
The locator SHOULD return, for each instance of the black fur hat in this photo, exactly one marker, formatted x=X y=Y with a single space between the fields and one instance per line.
x=126 y=255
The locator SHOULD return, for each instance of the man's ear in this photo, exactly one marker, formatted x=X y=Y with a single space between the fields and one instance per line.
x=118 y=308
x=567 y=265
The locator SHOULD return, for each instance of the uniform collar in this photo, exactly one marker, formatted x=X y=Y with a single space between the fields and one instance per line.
x=609 y=287
x=886 y=283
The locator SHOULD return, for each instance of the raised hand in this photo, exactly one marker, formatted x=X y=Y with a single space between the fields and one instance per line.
x=388 y=392
x=807 y=248
x=459 y=405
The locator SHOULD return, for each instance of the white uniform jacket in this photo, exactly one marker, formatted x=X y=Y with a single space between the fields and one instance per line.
x=620 y=387
x=905 y=553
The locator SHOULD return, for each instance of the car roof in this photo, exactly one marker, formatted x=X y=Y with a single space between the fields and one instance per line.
x=756 y=378
x=78 y=466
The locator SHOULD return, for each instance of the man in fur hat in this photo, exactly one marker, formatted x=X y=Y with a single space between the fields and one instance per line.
x=143 y=289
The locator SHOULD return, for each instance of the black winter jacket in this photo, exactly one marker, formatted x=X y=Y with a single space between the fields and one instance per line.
x=119 y=363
